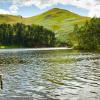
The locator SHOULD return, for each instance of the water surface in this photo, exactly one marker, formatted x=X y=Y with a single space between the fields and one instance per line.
x=51 y=75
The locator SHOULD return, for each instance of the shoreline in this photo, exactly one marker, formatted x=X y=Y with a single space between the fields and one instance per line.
x=34 y=49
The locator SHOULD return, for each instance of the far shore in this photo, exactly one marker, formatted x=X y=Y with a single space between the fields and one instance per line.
x=34 y=49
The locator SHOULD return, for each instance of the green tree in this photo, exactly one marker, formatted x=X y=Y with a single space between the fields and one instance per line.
x=88 y=35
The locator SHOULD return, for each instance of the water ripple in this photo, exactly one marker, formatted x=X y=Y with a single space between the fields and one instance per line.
x=51 y=75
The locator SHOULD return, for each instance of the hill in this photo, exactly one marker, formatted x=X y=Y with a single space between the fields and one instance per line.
x=10 y=19
x=58 y=20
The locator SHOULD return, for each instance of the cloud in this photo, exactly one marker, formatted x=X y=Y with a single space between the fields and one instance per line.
x=13 y=9
x=93 y=6
x=39 y=3
x=2 y=11
x=95 y=11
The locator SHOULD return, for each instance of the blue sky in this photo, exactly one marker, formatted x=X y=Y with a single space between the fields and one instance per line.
x=28 y=8
x=33 y=10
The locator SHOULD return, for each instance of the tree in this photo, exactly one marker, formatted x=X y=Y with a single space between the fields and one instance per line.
x=88 y=35
x=26 y=35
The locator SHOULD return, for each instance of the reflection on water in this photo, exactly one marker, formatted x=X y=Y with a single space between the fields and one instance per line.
x=51 y=75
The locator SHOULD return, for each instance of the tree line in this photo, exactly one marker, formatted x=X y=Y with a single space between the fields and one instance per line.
x=26 y=35
x=88 y=35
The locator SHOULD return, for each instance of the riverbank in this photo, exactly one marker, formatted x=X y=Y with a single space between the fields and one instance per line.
x=9 y=47
x=34 y=49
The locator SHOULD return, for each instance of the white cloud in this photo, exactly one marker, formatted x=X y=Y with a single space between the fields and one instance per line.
x=92 y=5
x=2 y=11
x=39 y=3
x=13 y=8
x=95 y=11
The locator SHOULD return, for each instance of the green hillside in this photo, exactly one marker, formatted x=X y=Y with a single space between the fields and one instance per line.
x=10 y=19
x=59 y=20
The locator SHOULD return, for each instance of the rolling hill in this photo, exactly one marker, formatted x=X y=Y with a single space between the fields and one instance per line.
x=58 y=20
x=10 y=19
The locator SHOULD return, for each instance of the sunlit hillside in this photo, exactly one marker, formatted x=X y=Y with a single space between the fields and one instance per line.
x=58 y=20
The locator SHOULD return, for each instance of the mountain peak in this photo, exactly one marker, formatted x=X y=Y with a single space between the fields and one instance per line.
x=58 y=12
x=60 y=9
x=55 y=9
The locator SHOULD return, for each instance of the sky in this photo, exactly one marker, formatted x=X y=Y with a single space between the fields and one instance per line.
x=27 y=8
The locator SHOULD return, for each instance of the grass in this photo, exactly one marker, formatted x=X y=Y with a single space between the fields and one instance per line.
x=13 y=46
x=10 y=19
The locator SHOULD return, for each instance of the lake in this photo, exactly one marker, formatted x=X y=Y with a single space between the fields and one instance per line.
x=50 y=75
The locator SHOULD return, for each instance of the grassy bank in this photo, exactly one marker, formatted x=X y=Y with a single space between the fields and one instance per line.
x=8 y=47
